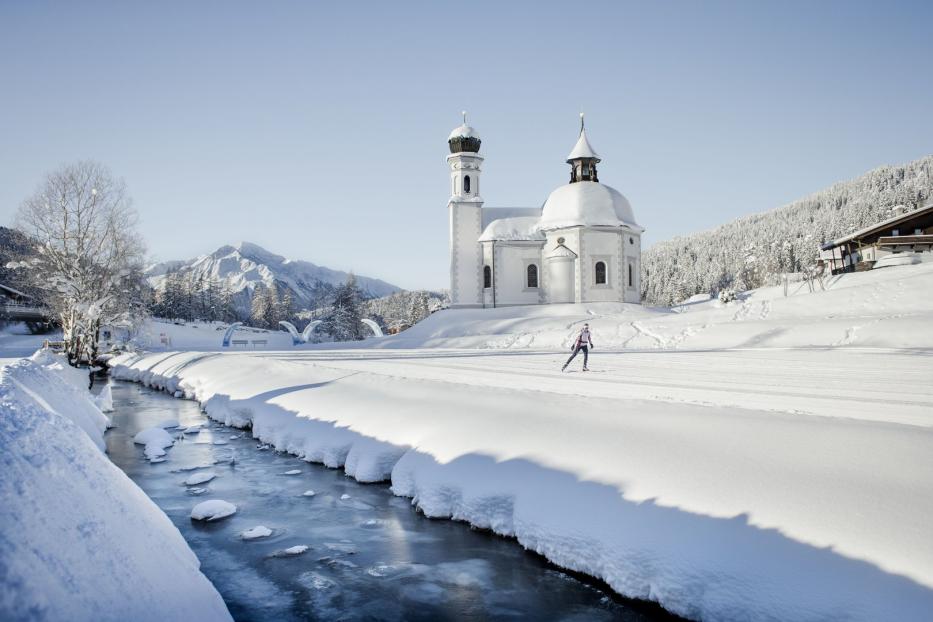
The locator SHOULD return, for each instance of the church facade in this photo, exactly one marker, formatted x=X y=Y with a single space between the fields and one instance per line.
x=582 y=245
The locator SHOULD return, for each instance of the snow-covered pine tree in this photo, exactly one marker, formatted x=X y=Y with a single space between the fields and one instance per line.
x=227 y=311
x=272 y=308
x=345 y=320
x=287 y=306
x=418 y=308
x=259 y=305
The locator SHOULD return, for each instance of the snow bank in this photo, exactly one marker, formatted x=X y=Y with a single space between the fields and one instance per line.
x=78 y=539
x=889 y=308
x=715 y=510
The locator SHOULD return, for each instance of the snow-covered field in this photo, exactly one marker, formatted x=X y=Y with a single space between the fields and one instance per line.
x=78 y=539
x=767 y=459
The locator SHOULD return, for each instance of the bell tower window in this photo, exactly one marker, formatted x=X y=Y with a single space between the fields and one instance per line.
x=487 y=277
x=466 y=184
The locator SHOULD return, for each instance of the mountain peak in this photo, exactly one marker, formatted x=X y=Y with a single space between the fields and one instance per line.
x=257 y=253
x=241 y=267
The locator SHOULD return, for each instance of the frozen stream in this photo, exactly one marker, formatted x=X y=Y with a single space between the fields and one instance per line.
x=371 y=555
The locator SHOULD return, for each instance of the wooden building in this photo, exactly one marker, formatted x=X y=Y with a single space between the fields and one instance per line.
x=907 y=237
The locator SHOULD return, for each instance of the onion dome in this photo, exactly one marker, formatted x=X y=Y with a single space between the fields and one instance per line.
x=464 y=138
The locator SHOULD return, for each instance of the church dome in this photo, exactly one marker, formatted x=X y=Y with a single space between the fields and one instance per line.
x=464 y=138
x=587 y=204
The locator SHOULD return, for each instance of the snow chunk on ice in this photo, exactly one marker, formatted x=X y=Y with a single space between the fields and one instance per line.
x=155 y=440
x=344 y=496
x=260 y=531
x=212 y=510
x=292 y=472
x=200 y=478
x=298 y=549
x=308 y=493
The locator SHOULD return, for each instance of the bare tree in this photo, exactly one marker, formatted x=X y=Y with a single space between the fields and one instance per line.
x=89 y=265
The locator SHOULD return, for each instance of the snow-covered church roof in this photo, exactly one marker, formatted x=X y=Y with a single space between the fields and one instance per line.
x=463 y=131
x=515 y=229
x=587 y=204
x=581 y=203
x=583 y=148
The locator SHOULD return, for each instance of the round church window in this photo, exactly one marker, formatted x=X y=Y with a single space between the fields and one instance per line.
x=560 y=240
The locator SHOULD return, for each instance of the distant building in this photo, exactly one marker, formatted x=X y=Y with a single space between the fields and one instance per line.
x=581 y=245
x=907 y=237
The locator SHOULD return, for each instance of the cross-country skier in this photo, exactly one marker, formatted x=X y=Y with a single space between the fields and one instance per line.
x=582 y=342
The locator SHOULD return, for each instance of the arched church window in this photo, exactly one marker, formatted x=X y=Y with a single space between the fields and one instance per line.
x=600 y=273
x=466 y=184
x=532 y=276
x=487 y=277
x=631 y=281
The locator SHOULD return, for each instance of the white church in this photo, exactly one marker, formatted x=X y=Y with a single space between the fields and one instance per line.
x=581 y=245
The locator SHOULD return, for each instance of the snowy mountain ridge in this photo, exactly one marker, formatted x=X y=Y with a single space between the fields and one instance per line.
x=244 y=266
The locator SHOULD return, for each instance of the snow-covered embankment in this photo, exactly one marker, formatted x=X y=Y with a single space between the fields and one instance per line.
x=718 y=512
x=78 y=539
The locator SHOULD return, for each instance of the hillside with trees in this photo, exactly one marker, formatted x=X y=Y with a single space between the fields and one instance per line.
x=753 y=250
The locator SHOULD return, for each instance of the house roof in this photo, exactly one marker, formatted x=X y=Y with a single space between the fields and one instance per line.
x=15 y=292
x=875 y=228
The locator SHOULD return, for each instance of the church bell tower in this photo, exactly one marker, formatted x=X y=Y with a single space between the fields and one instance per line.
x=465 y=211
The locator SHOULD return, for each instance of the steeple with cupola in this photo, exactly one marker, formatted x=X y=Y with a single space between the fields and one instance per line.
x=465 y=162
x=465 y=212
x=583 y=158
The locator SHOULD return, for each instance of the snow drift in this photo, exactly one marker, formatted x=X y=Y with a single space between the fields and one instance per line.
x=78 y=539
x=717 y=511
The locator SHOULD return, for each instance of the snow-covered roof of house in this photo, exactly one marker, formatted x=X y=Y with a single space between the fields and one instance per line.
x=587 y=204
x=879 y=225
x=519 y=228
x=582 y=149
x=15 y=292
x=465 y=131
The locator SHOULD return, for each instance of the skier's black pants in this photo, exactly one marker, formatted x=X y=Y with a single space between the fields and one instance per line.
x=586 y=355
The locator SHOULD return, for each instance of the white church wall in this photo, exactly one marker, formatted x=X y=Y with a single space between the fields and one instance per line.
x=600 y=246
x=512 y=261
x=466 y=268
x=562 y=277
x=631 y=243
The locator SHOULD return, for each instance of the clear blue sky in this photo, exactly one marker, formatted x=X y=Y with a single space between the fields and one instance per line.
x=318 y=130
